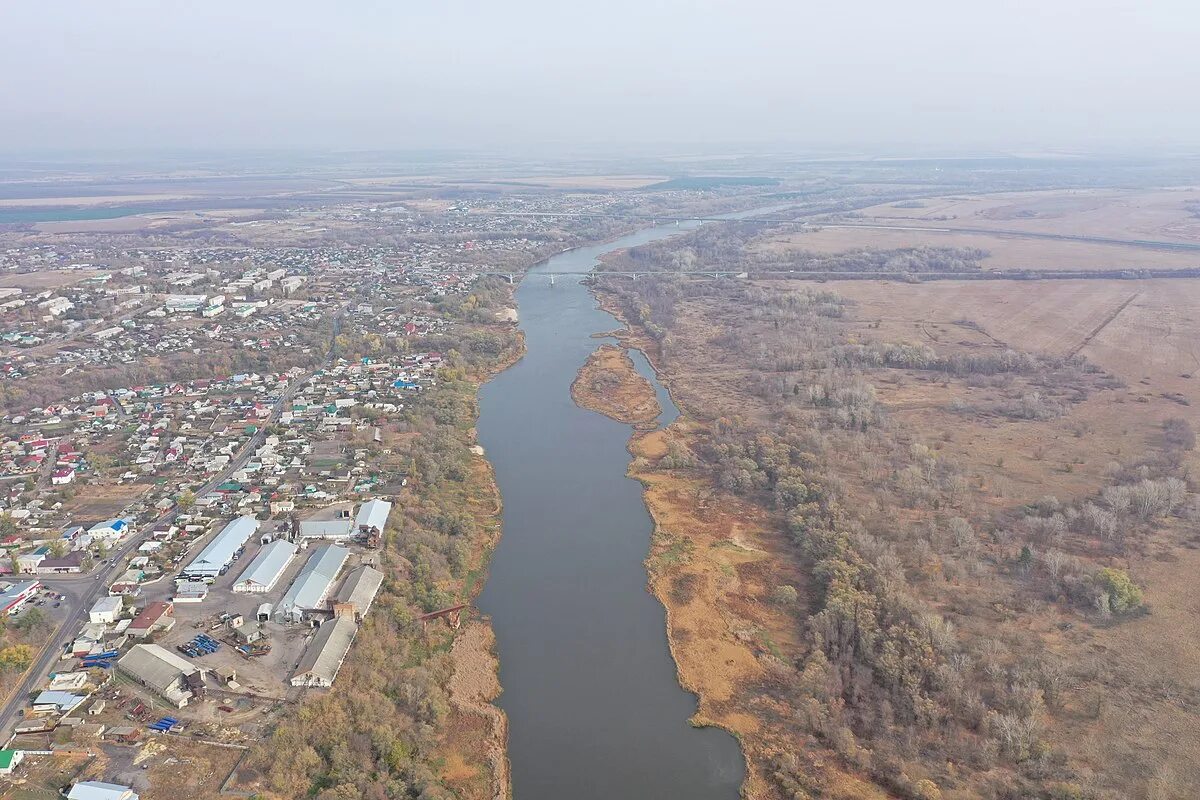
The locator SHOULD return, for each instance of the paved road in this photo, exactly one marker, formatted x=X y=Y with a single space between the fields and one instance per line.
x=90 y=588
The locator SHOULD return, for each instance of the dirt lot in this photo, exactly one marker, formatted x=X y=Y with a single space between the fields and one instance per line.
x=46 y=279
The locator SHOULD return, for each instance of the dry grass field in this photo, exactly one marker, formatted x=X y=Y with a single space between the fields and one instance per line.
x=1128 y=723
x=1159 y=214
x=1004 y=252
x=1145 y=332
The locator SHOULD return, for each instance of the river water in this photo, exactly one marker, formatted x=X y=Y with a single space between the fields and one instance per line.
x=594 y=705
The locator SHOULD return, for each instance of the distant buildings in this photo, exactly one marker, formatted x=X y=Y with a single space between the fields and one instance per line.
x=185 y=303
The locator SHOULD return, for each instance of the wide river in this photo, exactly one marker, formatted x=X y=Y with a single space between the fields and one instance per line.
x=594 y=705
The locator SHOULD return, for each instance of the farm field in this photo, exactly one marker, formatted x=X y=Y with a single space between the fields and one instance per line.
x=1161 y=214
x=1139 y=330
x=1004 y=252
x=1124 y=723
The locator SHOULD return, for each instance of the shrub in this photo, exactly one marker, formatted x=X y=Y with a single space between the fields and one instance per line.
x=1123 y=594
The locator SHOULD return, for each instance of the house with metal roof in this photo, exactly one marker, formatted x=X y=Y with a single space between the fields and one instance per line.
x=9 y=760
x=110 y=529
x=16 y=595
x=324 y=655
x=311 y=588
x=218 y=554
x=267 y=567
x=106 y=609
x=56 y=701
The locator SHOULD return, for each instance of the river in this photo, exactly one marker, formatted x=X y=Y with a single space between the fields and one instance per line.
x=594 y=705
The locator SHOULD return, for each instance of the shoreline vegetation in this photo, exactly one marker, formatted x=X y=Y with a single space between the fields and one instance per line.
x=854 y=595
x=411 y=714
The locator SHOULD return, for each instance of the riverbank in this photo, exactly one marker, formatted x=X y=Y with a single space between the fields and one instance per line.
x=713 y=563
x=476 y=742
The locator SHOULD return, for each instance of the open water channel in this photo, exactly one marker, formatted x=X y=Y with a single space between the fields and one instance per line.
x=594 y=705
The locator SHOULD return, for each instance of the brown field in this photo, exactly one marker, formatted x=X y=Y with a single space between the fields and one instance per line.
x=596 y=182
x=1154 y=338
x=1158 y=214
x=92 y=200
x=137 y=222
x=47 y=279
x=1153 y=215
x=98 y=502
x=1127 y=725
x=1004 y=252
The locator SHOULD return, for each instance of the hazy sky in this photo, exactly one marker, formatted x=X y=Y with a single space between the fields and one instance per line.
x=508 y=73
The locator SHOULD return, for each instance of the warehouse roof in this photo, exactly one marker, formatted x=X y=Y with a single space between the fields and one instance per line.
x=325 y=528
x=63 y=700
x=98 y=790
x=323 y=657
x=108 y=603
x=219 y=552
x=158 y=668
x=359 y=589
x=373 y=514
x=268 y=565
x=311 y=586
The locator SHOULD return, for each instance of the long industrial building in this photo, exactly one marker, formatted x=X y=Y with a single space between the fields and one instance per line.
x=358 y=591
x=220 y=551
x=311 y=588
x=324 y=655
x=266 y=568
x=159 y=670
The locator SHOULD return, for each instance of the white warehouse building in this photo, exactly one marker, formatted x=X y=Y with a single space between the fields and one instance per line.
x=218 y=554
x=266 y=568
x=373 y=514
x=311 y=588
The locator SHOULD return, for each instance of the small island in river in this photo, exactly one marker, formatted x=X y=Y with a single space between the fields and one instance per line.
x=609 y=384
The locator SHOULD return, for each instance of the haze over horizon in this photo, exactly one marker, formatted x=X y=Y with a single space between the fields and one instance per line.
x=930 y=74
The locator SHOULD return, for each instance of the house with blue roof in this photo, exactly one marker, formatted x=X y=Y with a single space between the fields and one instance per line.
x=111 y=529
